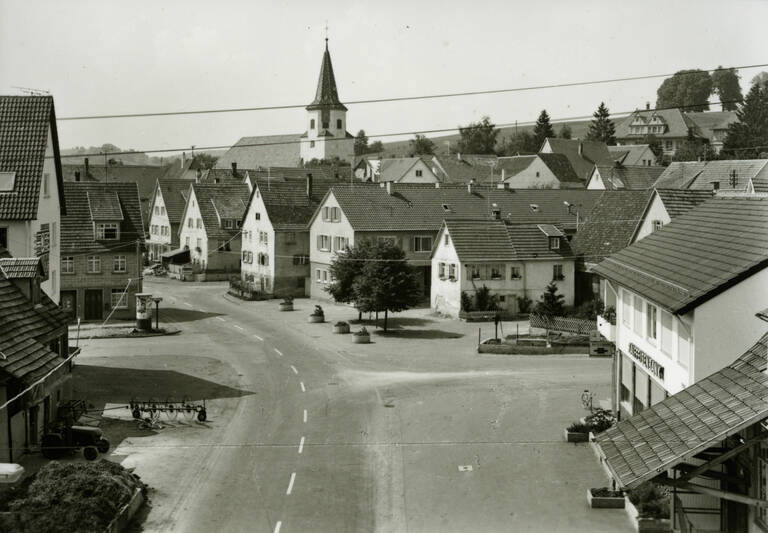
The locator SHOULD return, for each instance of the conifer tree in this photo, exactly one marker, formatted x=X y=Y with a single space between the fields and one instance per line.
x=543 y=128
x=601 y=128
x=748 y=138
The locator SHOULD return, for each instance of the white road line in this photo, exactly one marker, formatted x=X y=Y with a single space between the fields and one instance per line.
x=305 y=416
x=277 y=526
x=301 y=444
x=279 y=352
x=238 y=327
x=302 y=386
x=294 y=369
x=188 y=304
x=220 y=319
x=290 y=484
x=262 y=340
x=202 y=311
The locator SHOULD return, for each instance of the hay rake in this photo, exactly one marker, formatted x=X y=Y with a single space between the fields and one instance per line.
x=154 y=409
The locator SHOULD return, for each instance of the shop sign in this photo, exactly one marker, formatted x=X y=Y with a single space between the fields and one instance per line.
x=647 y=361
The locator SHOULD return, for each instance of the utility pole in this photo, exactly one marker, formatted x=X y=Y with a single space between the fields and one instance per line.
x=734 y=179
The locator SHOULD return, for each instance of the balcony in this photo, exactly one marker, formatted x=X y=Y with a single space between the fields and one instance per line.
x=606 y=329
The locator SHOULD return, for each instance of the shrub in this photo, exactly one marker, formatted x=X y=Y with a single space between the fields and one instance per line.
x=578 y=427
x=524 y=304
x=600 y=420
x=363 y=332
x=610 y=314
x=288 y=300
x=466 y=302
x=341 y=324
x=318 y=311
x=484 y=300
x=606 y=492
x=650 y=500
x=589 y=310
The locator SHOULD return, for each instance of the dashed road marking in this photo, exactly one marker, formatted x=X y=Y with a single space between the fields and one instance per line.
x=305 y=416
x=279 y=352
x=238 y=327
x=294 y=369
x=262 y=340
x=188 y=304
x=302 y=386
x=220 y=319
x=277 y=526
x=290 y=483
x=301 y=445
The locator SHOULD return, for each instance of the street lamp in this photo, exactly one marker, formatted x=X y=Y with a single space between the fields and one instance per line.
x=569 y=205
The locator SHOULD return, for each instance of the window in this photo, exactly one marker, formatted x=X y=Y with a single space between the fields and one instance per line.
x=554 y=243
x=119 y=263
x=326 y=125
x=300 y=259
x=162 y=210
x=441 y=270
x=335 y=214
x=514 y=273
x=326 y=213
x=228 y=224
x=257 y=216
x=118 y=299
x=199 y=223
x=106 y=231
x=324 y=243
x=386 y=238
x=190 y=223
x=46 y=184
x=626 y=308
x=418 y=173
x=325 y=276
x=312 y=124
x=495 y=272
x=667 y=334
x=452 y=272
x=199 y=244
x=290 y=238
x=447 y=239
x=311 y=144
x=263 y=259
x=638 y=322
x=422 y=244
x=68 y=264
x=4 y=237
x=340 y=243
x=650 y=322
x=318 y=276
x=186 y=241
x=94 y=264
x=557 y=272
x=473 y=271
x=667 y=145
x=157 y=210
x=338 y=123
x=657 y=225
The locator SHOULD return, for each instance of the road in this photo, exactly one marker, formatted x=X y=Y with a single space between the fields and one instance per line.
x=415 y=432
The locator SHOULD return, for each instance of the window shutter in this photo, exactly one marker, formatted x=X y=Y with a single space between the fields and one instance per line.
x=319 y=242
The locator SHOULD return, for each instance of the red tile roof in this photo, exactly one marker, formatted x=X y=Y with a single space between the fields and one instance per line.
x=219 y=201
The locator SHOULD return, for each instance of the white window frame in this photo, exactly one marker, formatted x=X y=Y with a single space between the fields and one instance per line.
x=122 y=302
x=651 y=323
x=67 y=264
x=119 y=264
x=101 y=231
x=91 y=261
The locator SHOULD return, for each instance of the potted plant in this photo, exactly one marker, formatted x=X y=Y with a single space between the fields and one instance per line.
x=317 y=315
x=577 y=432
x=648 y=504
x=286 y=304
x=605 y=498
x=600 y=420
x=361 y=337
x=341 y=327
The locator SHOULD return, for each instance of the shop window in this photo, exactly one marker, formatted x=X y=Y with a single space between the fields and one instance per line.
x=118 y=299
x=650 y=323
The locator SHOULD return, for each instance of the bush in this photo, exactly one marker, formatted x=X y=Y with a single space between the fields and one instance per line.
x=466 y=302
x=524 y=304
x=600 y=420
x=610 y=314
x=606 y=492
x=287 y=300
x=588 y=310
x=484 y=300
x=363 y=332
x=341 y=324
x=650 y=500
x=578 y=427
x=318 y=311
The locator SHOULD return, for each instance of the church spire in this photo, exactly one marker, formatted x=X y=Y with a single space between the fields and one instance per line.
x=326 y=96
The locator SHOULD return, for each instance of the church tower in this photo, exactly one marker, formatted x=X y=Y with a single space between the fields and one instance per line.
x=326 y=135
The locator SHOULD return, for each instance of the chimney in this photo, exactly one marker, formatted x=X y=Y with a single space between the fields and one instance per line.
x=496 y=211
x=183 y=158
x=309 y=185
x=581 y=148
x=234 y=168
x=77 y=175
x=715 y=186
x=87 y=167
x=470 y=185
x=647 y=106
x=389 y=188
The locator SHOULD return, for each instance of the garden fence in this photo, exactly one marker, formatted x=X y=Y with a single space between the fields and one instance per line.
x=579 y=326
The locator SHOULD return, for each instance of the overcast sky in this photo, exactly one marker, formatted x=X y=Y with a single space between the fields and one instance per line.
x=99 y=57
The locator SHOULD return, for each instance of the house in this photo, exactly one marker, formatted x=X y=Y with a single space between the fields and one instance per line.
x=166 y=210
x=633 y=155
x=538 y=171
x=463 y=168
x=685 y=299
x=325 y=137
x=400 y=170
x=664 y=206
x=742 y=175
x=706 y=443
x=31 y=203
x=35 y=353
x=102 y=244
x=669 y=126
x=583 y=155
x=714 y=125
x=619 y=176
x=513 y=261
x=412 y=214
x=210 y=226
x=275 y=249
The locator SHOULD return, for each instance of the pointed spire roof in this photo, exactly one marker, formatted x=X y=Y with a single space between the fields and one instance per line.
x=326 y=96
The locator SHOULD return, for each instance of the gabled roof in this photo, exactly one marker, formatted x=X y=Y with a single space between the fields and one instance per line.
x=610 y=225
x=395 y=168
x=24 y=126
x=532 y=243
x=629 y=154
x=697 y=255
x=677 y=124
x=558 y=164
x=456 y=169
x=20 y=267
x=263 y=151
x=679 y=174
x=286 y=201
x=674 y=430
x=175 y=198
x=326 y=95
x=746 y=170
x=678 y=202
x=514 y=165
x=318 y=173
x=219 y=201
x=638 y=177
x=592 y=153
x=77 y=226
x=708 y=121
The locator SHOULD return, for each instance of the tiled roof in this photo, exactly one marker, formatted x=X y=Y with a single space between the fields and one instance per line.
x=677 y=124
x=175 y=198
x=25 y=331
x=514 y=165
x=318 y=173
x=656 y=439
x=678 y=202
x=560 y=167
x=286 y=201
x=326 y=95
x=628 y=154
x=455 y=169
x=721 y=171
x=104 y=205
x=610 y=225
x=20 y=267
x=263 y=151
x=708 y=121
x=697 y=255
x=532 y=243
x=24 y=124
x=592 y=153
x=219 y=201
x=77 y=229
x=635 y=178
x=395 y=168
x=679 y=174
x=368 y=207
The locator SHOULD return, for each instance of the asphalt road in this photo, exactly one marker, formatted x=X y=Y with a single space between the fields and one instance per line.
x=413 y=433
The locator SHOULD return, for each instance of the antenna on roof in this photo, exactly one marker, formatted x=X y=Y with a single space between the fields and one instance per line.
x=32 y=92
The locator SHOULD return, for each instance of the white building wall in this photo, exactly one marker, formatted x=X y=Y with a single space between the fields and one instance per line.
x=445 y=295
x=194 y=233
x=595 y=182
x=158 y=221
x=656 y=211
x=314 y=147
x=320 y=258
x=251 y=243
x=411 y=176
x=536 y=176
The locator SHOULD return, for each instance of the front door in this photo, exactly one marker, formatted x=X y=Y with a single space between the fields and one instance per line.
x=69 y=302
x=92 y=304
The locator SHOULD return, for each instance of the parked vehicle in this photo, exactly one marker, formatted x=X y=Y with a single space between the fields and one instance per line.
x=67 y=439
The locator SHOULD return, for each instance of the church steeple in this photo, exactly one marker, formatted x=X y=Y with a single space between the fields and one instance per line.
x=326 y=96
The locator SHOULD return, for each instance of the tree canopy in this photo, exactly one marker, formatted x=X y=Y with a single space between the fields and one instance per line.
x=761 y=78
x=361 y=143
x=694 y=148
x=725 y=83
x=421 y=145
x=687 y=89
x=602 y=128
x=478 y=138
x=748 y=137
x=565 y=132
x=542 y=129
x=520 y=144
x=203 y=161
x=551 y=302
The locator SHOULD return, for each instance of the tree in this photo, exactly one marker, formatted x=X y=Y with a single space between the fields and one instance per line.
x=520 y=143
x=725 y=83
x=761 y=78
x=565 y=132
x=551 y=302
x=203 y=161
x=421 y=145
x=542 y=129
x=361 y=143
x=694 y=149
x=345 y=269
x=748 y=137
x=387 y=282
x=687 y=89
x=654 y=145
x=478 y=138
x=602 y=128
x=375 y=147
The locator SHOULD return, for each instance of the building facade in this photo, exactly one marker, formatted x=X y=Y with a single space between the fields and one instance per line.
x=165 y=211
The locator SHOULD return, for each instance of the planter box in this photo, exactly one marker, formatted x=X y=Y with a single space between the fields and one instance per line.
x=571 y=436
x=605 y=502
x=361 y=339
x=341 y=329
x=315 y=319
x=646 y=525
x=606 y=329
x=285 y=307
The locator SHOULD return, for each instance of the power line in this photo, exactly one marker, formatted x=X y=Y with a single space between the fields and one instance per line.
x=406 y=98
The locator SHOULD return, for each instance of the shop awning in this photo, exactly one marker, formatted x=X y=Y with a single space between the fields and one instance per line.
x=680 y=427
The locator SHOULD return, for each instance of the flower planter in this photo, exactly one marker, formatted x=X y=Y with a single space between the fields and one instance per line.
x=574 y=436
x=646 y=525
x=316 y=319
x=286 y=307
x=605 y=502
x=361 y=339
x=341 y=328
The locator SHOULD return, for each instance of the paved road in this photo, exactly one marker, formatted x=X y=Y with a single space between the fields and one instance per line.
x=333 y=437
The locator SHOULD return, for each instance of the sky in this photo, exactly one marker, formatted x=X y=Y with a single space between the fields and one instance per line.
x=99 y=57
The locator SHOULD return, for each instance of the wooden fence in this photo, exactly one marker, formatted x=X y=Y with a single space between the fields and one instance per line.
x=564 y=324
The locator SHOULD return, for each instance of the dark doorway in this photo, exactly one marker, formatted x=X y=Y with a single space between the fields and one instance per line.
x=33 y=417
x=93 y=304
x=427 y=273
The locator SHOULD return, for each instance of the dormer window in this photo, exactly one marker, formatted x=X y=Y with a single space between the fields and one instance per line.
x=229 y=224
x=107 y=231
x=554 y=243
x=7 y=181
x=338 y=123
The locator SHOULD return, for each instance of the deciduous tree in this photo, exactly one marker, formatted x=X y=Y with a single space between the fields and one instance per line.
x=687 y=89
x=520 y=144
x=565 y=132
x=421 y=145
x=478 y=138
x=725 y=83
